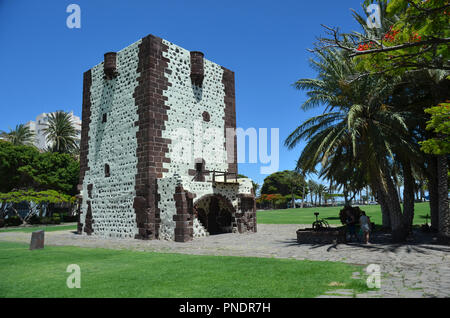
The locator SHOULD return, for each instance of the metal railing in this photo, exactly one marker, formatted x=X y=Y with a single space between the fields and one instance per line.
x=224 y=174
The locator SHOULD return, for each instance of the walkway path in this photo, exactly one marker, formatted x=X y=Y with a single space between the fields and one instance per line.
x=410 y=270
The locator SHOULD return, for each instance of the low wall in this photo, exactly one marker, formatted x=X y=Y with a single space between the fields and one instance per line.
x=329 y=236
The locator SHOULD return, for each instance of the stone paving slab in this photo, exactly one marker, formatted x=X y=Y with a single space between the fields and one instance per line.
x=409 y=270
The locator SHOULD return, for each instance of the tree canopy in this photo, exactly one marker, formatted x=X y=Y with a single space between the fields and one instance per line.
x=284 y=183
x=61 y=133
x=21 y=135
x=24 y=167
x=440 y=124
x=374 y=86
x=38 y=197
x=411 y=35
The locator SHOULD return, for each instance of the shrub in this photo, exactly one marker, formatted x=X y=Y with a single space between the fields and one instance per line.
x=34 y=220
x=56 y=219
x=70 y=218
x=2 y=222
x=13 y=221
x=46 y=220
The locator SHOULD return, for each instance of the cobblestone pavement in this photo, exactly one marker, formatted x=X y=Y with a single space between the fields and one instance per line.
x=419 y=268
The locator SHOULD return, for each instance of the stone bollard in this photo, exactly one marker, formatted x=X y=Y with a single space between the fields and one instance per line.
x=37 y=240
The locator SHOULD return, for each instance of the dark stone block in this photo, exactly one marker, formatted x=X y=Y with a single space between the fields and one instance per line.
x=183 y=238
x=37 y=240
x=80 y=228
x=182 y=217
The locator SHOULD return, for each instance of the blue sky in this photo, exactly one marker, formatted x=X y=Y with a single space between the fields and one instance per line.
x=264 y=42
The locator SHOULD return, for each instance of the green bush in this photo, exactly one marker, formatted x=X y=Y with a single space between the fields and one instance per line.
x=46 y=220
x=70 y=218
x=2 y=222
x=13 y=221
x=34 y=220
x=56 y=219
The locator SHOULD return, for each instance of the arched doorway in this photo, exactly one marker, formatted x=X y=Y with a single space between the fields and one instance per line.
x=215 y=213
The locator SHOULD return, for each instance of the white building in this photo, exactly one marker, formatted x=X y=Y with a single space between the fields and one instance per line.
x=41 y=122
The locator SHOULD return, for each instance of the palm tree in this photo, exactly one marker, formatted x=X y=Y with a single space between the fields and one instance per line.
x=61 y=133
x=418 y=90
x=295 y=183
x=321 y=191
x=304 y=190
x=312 y=187
x=21 y=135
x=358 y=131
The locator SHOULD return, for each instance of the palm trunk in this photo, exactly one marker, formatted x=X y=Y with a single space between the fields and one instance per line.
x=367 y=195
x=385 y=218
x=388 y=189
x=444 y=215
x=408 y=196
x=293 y=200
x=17 y=214
x=303 y=196
x=346 y=201
x=422 y=192
x=433 y=192
x=352 y=197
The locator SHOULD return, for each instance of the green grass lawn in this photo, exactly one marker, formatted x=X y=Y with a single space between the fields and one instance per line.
x=125 y=273
x=331 y=214
x=47 y=228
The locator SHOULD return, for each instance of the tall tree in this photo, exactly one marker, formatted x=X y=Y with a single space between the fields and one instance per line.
x=312 y=187
x=358 y=127
x=61 y=133
x=24 y=167
x=440 y=146
x=321 y=191
x=416 y=47
x=21 y=135
x=296 y=184
x=418 y=37
x=283 y=182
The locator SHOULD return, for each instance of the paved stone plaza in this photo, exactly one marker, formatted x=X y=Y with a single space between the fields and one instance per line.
x=420 y=268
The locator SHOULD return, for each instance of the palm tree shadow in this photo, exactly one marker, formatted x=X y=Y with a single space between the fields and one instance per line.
x=422 y=243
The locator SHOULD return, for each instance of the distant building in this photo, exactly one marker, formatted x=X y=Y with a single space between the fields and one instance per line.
x=41 y=122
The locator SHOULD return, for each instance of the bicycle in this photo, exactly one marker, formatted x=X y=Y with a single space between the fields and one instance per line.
x=319 y=224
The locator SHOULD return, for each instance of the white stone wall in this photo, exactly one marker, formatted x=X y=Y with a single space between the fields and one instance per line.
x=166 y=189
x=198 y=229
x=191 y=136
x=113 y=143
x=187 y=104
x=166 y=205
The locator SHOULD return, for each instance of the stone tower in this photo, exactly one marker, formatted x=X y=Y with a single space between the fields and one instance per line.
x=157 y=159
